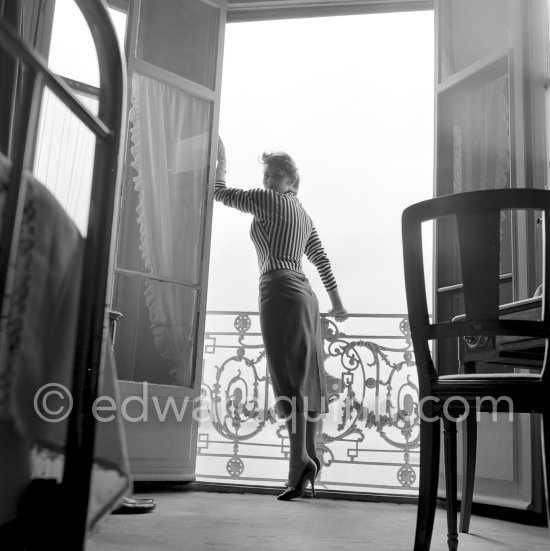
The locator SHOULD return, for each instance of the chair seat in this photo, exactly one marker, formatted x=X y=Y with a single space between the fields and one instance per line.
x=490 y=376
x=514 y=392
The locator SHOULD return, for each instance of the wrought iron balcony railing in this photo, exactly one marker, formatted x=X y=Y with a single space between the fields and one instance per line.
x=368 y=442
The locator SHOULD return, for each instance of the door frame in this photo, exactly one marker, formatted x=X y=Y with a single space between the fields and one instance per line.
x=180 y=437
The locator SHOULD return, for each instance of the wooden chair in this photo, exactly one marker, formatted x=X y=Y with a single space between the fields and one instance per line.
x=446 y=392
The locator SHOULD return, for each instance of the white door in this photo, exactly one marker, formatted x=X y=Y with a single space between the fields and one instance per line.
x=174 y=51
x=490 y=134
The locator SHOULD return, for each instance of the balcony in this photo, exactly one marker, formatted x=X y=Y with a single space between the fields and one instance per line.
x=369 y=440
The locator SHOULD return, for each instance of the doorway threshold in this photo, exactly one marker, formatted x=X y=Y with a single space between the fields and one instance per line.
x=164 y=486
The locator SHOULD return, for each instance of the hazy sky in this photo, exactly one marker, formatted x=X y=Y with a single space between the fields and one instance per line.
x=351 y=99
x=72 y=51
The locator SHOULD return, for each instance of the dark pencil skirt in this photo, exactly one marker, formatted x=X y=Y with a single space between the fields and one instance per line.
x=291 y=331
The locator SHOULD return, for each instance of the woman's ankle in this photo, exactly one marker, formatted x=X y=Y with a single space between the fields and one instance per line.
x=296 y=469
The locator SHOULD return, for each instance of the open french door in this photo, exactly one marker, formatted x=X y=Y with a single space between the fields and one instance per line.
x=174 y=51
x=491 y=75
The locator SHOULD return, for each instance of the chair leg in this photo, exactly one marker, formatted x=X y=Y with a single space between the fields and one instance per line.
x=430 y=437
x=450 y=482
x=469 y=451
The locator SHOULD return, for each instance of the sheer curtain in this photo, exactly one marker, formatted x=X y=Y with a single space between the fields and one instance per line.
x=481 y=138
x=474 y=117
x=170 y=142
x=478 y=104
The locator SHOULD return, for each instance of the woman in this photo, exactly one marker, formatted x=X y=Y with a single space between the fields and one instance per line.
x=282 y=233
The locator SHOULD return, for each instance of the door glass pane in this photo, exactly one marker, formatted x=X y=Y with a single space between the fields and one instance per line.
x=72 y=50
x=181 y=37
x=128 y=253
x=449 y=269
x=471 y=30
x=474 y=133
x=475 y=154
x=64 y=155
x=479 y=127
x=155 y=338
x=165 y=197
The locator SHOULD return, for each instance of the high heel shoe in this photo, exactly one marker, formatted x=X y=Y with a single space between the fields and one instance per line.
x=317 y=464
x=309 y=472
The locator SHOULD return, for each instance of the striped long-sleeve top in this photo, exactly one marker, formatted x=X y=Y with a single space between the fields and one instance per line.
x=282 y=231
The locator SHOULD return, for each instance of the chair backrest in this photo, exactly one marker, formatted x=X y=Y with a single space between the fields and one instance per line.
x=478 y=216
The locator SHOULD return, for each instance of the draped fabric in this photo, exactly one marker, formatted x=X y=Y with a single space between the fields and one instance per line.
x=170 y=142
x=38 y=355
x=481 y=138
x=479 y=133
x=479 y=124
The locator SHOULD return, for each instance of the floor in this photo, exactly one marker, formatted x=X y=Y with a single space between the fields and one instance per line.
x=198 y=520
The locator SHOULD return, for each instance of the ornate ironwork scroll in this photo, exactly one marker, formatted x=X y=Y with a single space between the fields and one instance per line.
x=367 y=442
